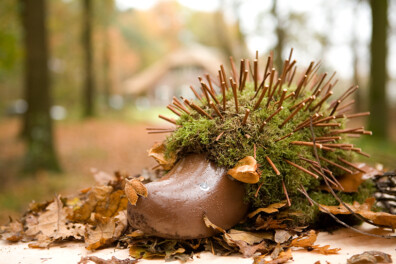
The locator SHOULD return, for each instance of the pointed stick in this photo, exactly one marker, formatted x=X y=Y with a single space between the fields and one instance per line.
x=245 y=117
x=210 y=83
x=324 y=120
x=347 y=130
x=255 y=75
x=327 y=125
x=170 y=120
x=262 y=126
x=260 y=98
x=300 y=85
x=219 y=136
x=205 y=92
x=303 y=101
x=286 y=194
x=357 y=115
x=292 y=115
x=173 y=110
x=216 y=110
x=160 y=131
x=307 y=121
x=290 y=95
x=272 y=75
x=241 y=73
x=351 y=165
x=301 y=168
x=324 y=176
x=327 y=138
x=309 y=102
x=245 y=74
x=224 y=75
x=210 y=92
x=200 y=110
x=261 y=85
x=280 y=102
x=234 y=92
x=290 y=54
x=319 y=104
x=283 y=75
x=273 y=92
x=329 y=80
x=320 y=83
x=336 y=165
x=272 y=165
x=224 y=94
x=288 y=135
x=267 y=66
x=234 y=72
x=195 y=93
x=305 y=143
x=292 y=76
x=273 y=114
x=335 y=107
x=177 y=103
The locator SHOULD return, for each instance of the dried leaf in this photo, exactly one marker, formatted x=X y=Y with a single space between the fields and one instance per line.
x=158 y=153
x=13 y=232
x=305 y=241
x=281 y=236
x=245 y=170
x=52 y=224
x=113 y=260
x=136 y=233
x=101 y=177
x=283 y=257
x=209 y=224
x=379 y=218
x=248 y=250
x=106 y=231
x=249 y=237
x=270 y=223
x=370 y=257
x=272 y=208
x=133 y=188
x=326 y=250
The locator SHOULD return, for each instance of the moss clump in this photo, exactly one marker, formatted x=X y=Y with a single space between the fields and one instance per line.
x=198 y=134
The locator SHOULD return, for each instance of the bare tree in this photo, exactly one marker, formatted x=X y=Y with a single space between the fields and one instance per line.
x=378 y=73
x=38 y=130
x=89 y=83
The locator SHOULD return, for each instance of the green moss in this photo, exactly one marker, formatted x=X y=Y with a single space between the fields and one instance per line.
x=198 y=134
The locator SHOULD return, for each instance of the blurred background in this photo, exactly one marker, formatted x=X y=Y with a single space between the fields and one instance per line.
x=81 y=79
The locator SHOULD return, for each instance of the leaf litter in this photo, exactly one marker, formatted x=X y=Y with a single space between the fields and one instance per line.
x=97 y=216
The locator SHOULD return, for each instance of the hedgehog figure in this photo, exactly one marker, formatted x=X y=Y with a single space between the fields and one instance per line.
x=247 y=141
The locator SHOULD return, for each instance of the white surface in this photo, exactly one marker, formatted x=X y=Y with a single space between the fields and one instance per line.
x=351 y=243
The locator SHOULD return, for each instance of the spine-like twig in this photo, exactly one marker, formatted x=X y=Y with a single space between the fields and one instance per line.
x=286 y=194
x=292 y=115
x=302 y=168
x=256 y=106
x=245 y=117
x=336 y=165
x=273 y=114
x=173 y=110
x=319 y=104
x=216 y=110
x=351 y=165
x=272 y=165
x=200 y=110
x=170 y=120
x=195 y=93
x=235 y=93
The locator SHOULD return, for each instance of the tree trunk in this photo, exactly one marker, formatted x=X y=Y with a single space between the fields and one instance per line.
x=89 y=84
x=378 y=73
x=38 y=130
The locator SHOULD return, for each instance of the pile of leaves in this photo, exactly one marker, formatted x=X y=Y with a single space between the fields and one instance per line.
x=97 y=216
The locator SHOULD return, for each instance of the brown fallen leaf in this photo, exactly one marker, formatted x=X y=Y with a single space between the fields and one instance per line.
x=249 y=237
x=133 y=188
x=325 y=250
x=305 y=241
x=283 y=257
x=158 y=153
x=52 y=225
x=379 y=218
x=113 y=260
x=106 y=231
x=281 y=236
x=245 y=170
x=13 y=232
x=272 y=208
x=270 y=223
x=249 y=250
x=370 y=257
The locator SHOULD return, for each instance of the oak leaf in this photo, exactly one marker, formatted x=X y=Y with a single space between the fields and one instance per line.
x=158 y=153
x=272 y=208
x=245 y=170
x=379 y=218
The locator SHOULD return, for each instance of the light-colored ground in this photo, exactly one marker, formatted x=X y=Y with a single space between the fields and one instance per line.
x=351 y=243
